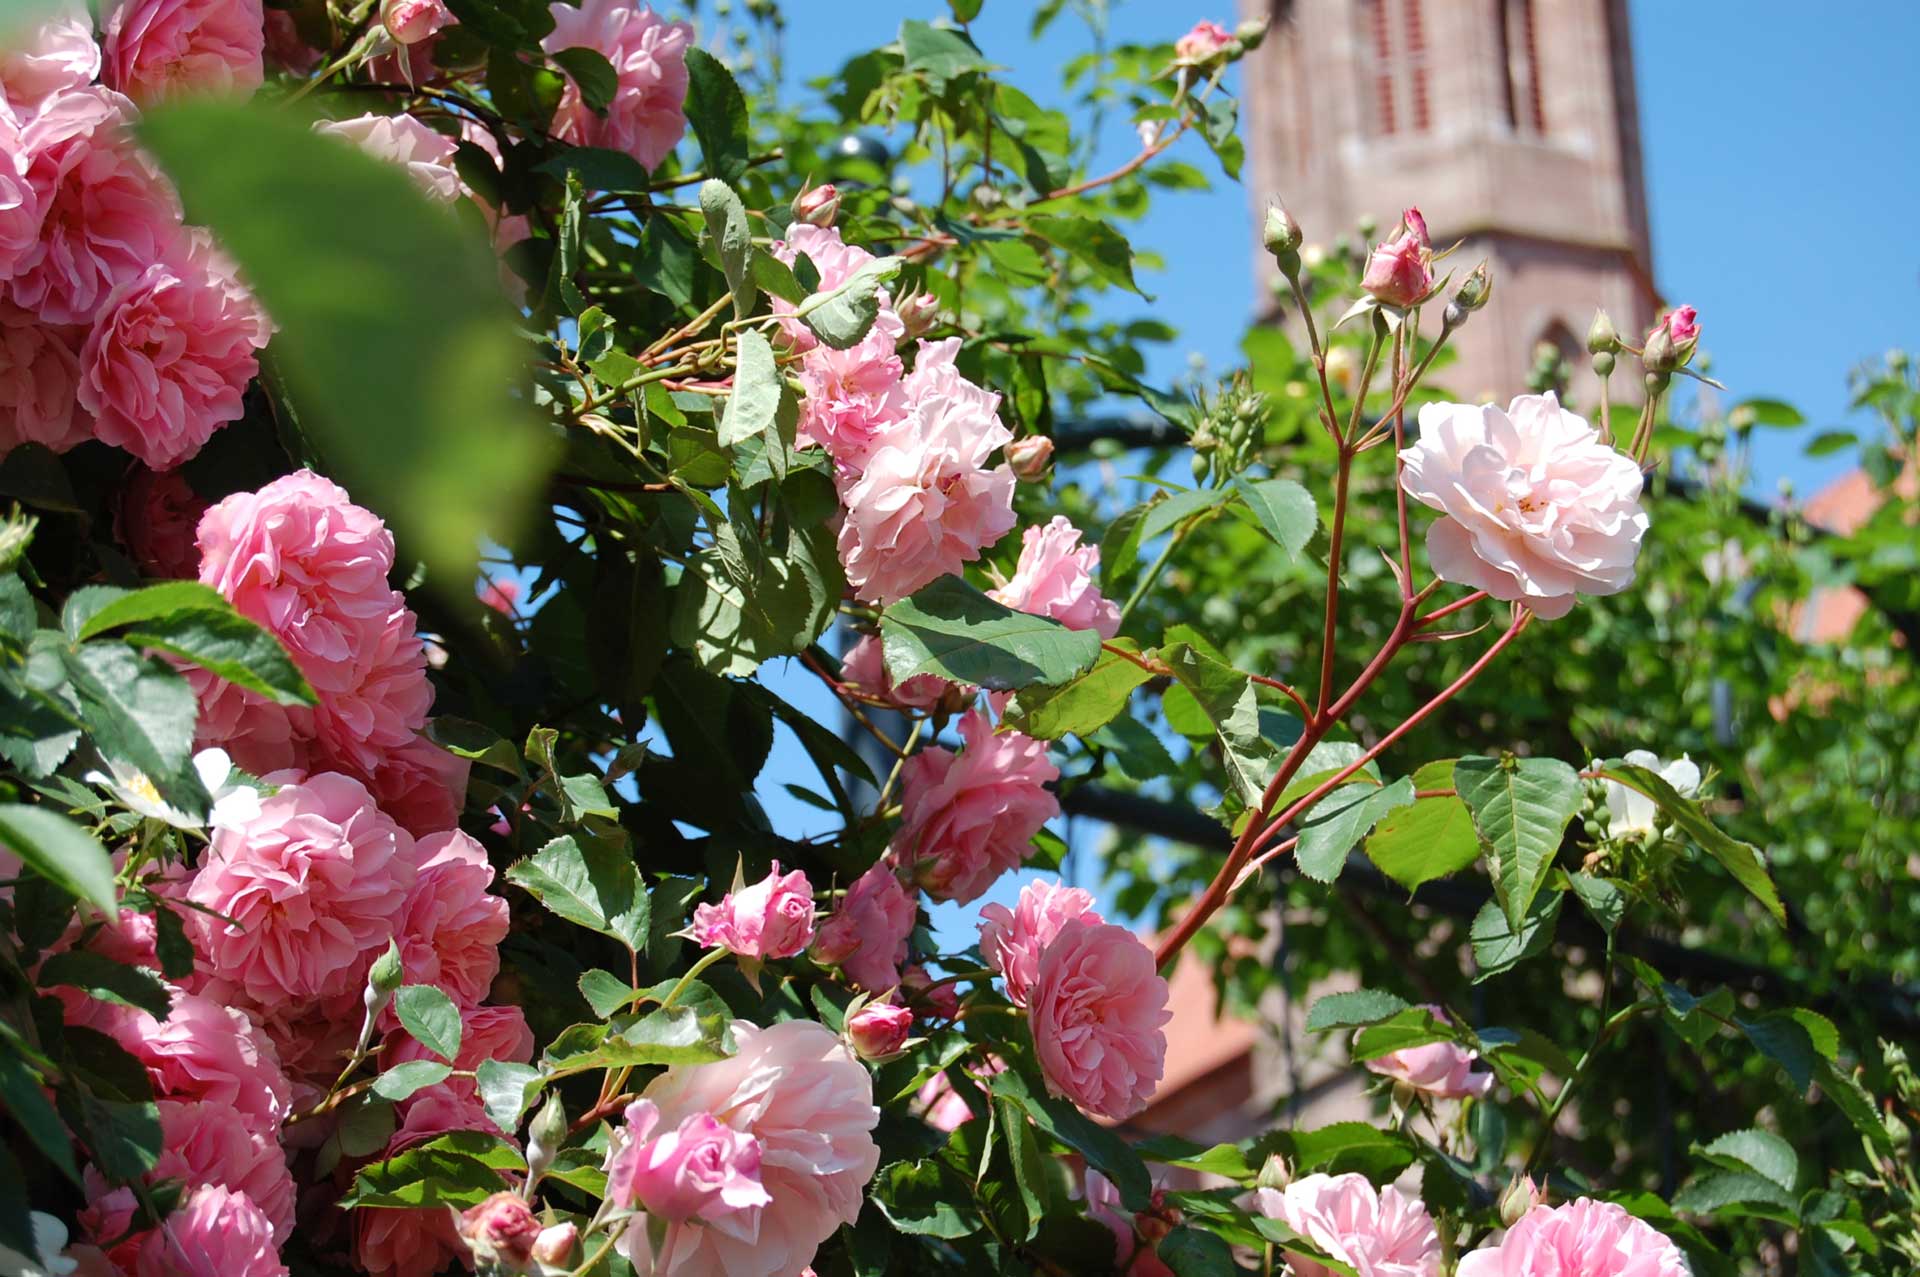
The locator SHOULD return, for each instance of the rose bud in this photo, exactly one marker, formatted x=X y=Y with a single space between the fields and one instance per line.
x=1519 y=1197
x=1204 y=44
x=1400 y=271
x=817 y=206
x=411 y=21
x=918 y=313
x=879 y=1030
x=1030 y=458
x=1281 y=234
x=555 y=1246
x=771 y=919
x=500 y=1231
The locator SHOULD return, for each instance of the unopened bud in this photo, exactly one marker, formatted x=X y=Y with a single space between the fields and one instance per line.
x=1160 y=1218
x=1659 y=355
x=918 y=313
x=1679 y=331
x=1030 y=458
x=1603 y=364
x=1521 y=1196
x=545 y=1136
x=411 y=21
x=1251 y=33
x=557 y=1247
x=817 y=205
x=382 y=979
x=1281 y=234
x=879 y=1030
x=1601 y=337
x=1275 y=1173
x=1469 y=297
x=986 y=197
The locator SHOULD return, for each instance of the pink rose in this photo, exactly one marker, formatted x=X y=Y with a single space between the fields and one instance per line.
x=1584 y=1238
x=158 y=49
x=315 y=886
x=866 y=936
x=171 y=354
x=795 y=1090
x=411 y=21
x=969 y=817
x=87 y=212
x=937 y=998
x=771 y=919
x=649 y=57
x=1031 y=458
x=451 y=927
x=422 y=786
x=204 y=1142
x=35 y=65
x=925 y=505
x=1682 y=324
x=864 y=668
x=851 y=394
x=1012 y=940
x=879 y=1030
x=39 y=379
x=1207 y=41
x=834 y=260
x=1440 y=1069
x=556 y=1246
x=1400 y=271
x=285 y=47
x=213 y=1232
x=401 y=139
x=701 y=1169
x=1383 y=1234
x=1055 y=578
x=500 y=1231
x=1097 y=1008
x=1536 y=509
x=156 y=518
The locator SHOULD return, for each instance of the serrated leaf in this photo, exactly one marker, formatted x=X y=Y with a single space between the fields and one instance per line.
x=1285 y=510
x=1762 y=1152
x=1081 y=705
x=108 y=980
x=755 y=401
x=402 y=1080
x=455 y=1170
x=1604 y=898
x=1226 y=697
x=506 y=1089
x=716 y=111
x=1354 y=1009
x=26 y=1103
x=939 y=53
x=1430 y=839
x=922 y=1199
x=953 y=630
x=606 y=993
x=1521 y=807
x=137 y=708
x=430 y=1016
x=589 y=883
x=1092 y=242
x=1499 y=946
x=1742 y=860
x=1160 y=516
x=1342 y=818
x=841 y=316
x=1104 y=1150
x=197 y=624
x=594 y=75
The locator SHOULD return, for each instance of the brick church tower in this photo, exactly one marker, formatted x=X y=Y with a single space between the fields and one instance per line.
x=1513 y=125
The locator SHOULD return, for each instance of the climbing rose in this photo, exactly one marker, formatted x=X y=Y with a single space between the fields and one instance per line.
x=879 y=1030
x=156 y=518
x=1031 y=458
x=850 y=395
x=969 y=817
x=418 y=1243
x=1631 y=812
x=866 y=937
x=1682 y=324
x=1097 y=1008
x=1382 y=1234
x=486 y=1033
x=1055 y=578
x=771 y=919
x=1204 y=43
x=865 y=669
x=1535 y=507
x=411 y=21
x=945 y=1109
x=796 y=1090
x=1012 y=940
x=214 y=1232
x=39 y=377
x=500 y=1231
x=451 y=926
x=1584 y=1238
x=170 y=355
x=422 y=786
x=834 y=260
x=204 y=1142
x=1440 y=1069
x=701 y=1169
x=925 y=504
x=649 y=57
x=35 y=65
x=157 y=49
x=401 y=139
x=1400 y=271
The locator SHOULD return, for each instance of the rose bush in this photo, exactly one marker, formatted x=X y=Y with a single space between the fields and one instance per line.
x=367 y=910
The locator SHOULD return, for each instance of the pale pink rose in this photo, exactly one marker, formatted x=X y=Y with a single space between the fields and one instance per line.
x=1133 y=1246
x=1584 y=1238
x=939 y=998
x=170 y=355
x=925 y=504
x=865 y=669
x=401 y=139
x=851 y=394
x=418 y=1243
x=1400 y=271
x=155 y=519
x=700 y=1169
x=1440 y=1069
x=944 y=1108
x=866 y=936
x=879 y=1030
x=39 y=380
x=452 y=926
x=1031 y=458
x=86 y=211
x=201 y=1051
x=315 y=887
x=817 y=205
x=158 y=49
x=35 y=65
x=1055 y=578
x=357 y=728
x=205 y=1142
x=500 y=1231
x=1536 y=508
x=796 y=1090
x=649 y=57
x=214 y=1232
x=835 y=261
x=1382 y=1234
x=773 y=918
x=422 y=786
x=557 y=1246
x=411 y=21
x=967 y=818
x=486 y=1033
x=1097 y=1009
x=1012 y=940
x=1203 y=44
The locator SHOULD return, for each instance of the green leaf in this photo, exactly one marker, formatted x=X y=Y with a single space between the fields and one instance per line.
x=1359 y=1147
x=614 y=172
x=842 y=315
x=1431 y=839
x=717 y=113
x=1081 y=705
x=1604 y=898
x=1711 y=1193
x=1341 y=819
x=110 y=981
x=939 y=53
x=594 y=75
x=26 y=1103
x=951 y=629
x=61 y=852
x=1352 y=1010
x=606 y=993
x=402 y=1080
x=1766 y=412
x=507 y=1090
x=1285 y=510
x=726 y=219
x=137 y=708
x=456 y=1170
x=414 y=406
x=430 y=1016
x=1785 y=1041
x=1498 y=945
x=1226 y=697
x=1742 y=860
x=1828 y=442
x=1104 y=1150
x=1521 y=807
x=742 y=603
x=921 y=1198
x=589 y=883
x=757 y=388
x=196 y=624
x=663 y=1037
x=1171 y=508
x=1093 y=242
x=1762 y=1152
x=1195 y=1252
x=1416 y=1026
x=1029 y=1163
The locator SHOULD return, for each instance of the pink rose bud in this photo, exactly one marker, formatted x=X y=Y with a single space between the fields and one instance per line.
x=940 y=997
x=411 y=21
x=1205 y=43
x=1683 y=325
x=918 y=313
x=555 y=1246
x=817 y=206
x=501 y=1231
x=1400 y=271
x=771 y=919
x=879 y=1030
x=703 y=1168
x=1520 y=1196
x=1030 y=458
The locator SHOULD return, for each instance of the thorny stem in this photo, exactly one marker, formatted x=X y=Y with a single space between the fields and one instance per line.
x=1336 y=534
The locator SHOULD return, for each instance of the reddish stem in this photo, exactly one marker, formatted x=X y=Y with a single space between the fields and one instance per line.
x=1441 y=613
